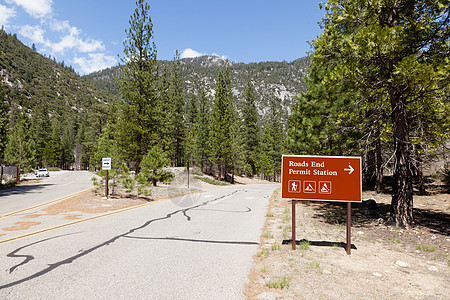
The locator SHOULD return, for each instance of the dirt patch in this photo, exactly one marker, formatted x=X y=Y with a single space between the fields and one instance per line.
x=73 y=217
x=32 y=216
x=88 y=202
x=247 y=180
x=386 y=262
x=93 y=203
x=21 y=226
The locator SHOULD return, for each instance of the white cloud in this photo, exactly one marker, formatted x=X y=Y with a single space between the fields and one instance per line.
x=63 y=26
x=221 y=56
x=5 y=14
x=35 y=8
x=66 y=42
x=71 y=39
x=34 y=33
x=94 y=62
x=59 y=37
x=190 y=53
x=90 y=45
x=69 y=42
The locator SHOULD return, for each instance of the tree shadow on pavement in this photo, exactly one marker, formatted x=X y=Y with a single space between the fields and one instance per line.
x=127 y=234
x=24 y=189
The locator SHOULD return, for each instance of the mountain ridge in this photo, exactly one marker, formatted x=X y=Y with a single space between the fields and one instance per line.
x=283 y=80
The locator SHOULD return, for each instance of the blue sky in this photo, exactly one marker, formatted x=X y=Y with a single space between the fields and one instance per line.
x=89 y=34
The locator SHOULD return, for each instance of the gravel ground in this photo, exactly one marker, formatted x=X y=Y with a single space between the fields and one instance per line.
x=388 y=262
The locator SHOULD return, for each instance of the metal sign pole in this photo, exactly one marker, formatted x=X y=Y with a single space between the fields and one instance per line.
x=106 y=184
x=187 y=166
x=294 y=243
x=349 y=225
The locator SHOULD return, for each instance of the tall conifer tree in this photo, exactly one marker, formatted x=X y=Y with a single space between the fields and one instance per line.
x=138 y=82
x=250 y=130
x=20 y=149
x=385 y=58
x=178 y=128
x=203 y=130
x=4 y=121
x=41 y=130
x=221 y=138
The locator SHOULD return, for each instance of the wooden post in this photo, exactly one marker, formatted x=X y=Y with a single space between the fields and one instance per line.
x=349 y=225
x=294 y=243
x=1 y=176
x=187 y=167
x=17 y=174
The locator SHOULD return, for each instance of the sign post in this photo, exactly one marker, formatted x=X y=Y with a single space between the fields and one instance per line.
x=106 y=165
x=322 y=178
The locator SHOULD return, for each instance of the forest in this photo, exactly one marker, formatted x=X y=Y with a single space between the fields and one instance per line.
x=49 y=115
x=376 y=85
x=58 y=119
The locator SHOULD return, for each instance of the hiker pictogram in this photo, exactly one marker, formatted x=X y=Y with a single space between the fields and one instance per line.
x=294 y=186
x=309 y=187
x=325 y=187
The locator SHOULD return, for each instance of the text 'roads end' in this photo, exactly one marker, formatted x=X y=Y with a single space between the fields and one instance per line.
x=327 y=178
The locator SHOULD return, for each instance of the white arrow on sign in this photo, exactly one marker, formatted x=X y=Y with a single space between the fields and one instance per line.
x=349 y=170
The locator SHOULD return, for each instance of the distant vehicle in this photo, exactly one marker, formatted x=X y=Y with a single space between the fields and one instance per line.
x=42 y=173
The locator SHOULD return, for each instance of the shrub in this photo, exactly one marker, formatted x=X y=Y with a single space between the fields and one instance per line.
x=152 y=166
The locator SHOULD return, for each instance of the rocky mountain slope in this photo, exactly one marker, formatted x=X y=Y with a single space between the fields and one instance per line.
x=32 y=81
x=283 y=80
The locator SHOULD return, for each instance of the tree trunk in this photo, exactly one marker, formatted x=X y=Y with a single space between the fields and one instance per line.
x=419 y=170
x=370 y=170
x=379 y=158
x=402 y=195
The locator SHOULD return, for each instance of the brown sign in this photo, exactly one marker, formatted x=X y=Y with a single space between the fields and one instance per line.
x=323 y=178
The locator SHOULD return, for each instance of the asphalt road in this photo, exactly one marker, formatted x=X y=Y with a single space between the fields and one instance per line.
x=59 y=184
x=157 y=251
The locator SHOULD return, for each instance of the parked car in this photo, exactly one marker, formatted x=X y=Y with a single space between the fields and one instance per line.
x=42 y=173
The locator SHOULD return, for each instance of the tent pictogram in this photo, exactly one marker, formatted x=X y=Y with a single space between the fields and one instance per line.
x=325 y=187
x=309 y=186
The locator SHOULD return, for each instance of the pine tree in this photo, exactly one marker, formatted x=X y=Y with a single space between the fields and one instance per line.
x=178 y=129
x=152 y=166
x=20 y=149
x=191 y=129
x=166 y=108
x=53 y=149
x=273 y=138
x=68 y=144
x=385 y=59
x=250 y=130
x=108 y=144
x=238 y=158
x=306 y=128
x=138 y=82
x=267 y=162
x=4 y=121
x=41 y=130
x=221 y=138
x=203 y=131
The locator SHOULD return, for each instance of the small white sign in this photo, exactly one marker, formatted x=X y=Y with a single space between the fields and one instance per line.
x=106 y=163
